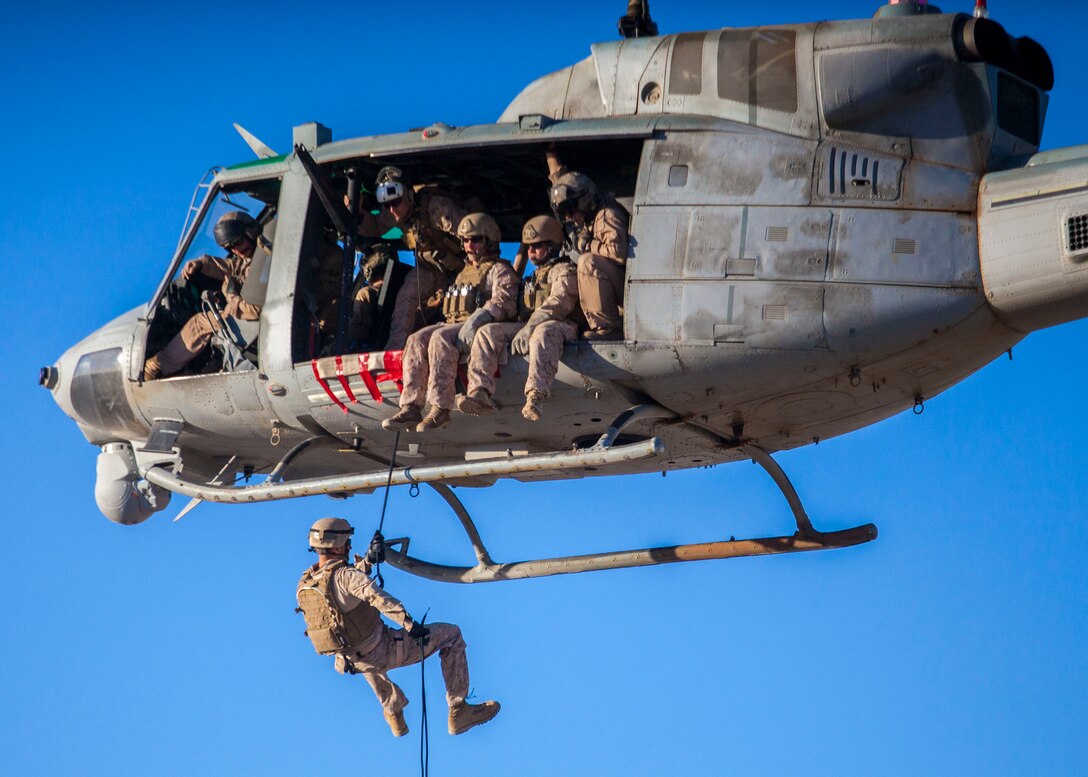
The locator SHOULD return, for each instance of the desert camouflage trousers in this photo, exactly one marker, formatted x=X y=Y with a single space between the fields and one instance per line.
x=490 y=348
x=430 y=367
x=397 y=649
x=600 y=292
x=186 y=344
x=418 y=303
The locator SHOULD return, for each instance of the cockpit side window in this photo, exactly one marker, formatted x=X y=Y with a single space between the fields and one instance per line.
x=208 y=319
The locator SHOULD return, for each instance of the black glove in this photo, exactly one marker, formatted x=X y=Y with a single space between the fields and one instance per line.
x=468 y=329
x=420 y=633
x=375 y=554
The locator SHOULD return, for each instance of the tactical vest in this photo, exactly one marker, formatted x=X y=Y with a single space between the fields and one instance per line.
x=429 y=243
x=468 y=292
x=536 y=289
x=330 y=629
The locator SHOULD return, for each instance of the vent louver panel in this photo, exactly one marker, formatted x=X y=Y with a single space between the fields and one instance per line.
x=1076 y=231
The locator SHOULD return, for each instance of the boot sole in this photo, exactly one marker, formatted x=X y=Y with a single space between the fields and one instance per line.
x=470 y=406
x=455 y=730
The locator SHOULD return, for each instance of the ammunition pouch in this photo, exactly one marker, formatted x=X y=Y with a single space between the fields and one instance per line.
x=536 y=289
x=468 y=292
x=532 y=297
x=461 y=301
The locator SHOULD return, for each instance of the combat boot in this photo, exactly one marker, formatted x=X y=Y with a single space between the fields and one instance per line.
x=479 y=402
x=601 y=334
x=152 y=368
x=396 y=722
x=464 y=716
x=435 y=419
x=533 y=402
x=406 y=419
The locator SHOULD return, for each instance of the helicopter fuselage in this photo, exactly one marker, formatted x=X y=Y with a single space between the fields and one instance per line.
x=830 y=223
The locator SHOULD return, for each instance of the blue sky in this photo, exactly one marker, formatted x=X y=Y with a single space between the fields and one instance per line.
x=954 y=644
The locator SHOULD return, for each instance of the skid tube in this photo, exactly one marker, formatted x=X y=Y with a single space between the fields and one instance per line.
x=486 y=570
x=368 y=481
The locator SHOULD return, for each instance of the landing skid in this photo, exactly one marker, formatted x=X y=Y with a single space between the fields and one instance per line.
x=487 y=570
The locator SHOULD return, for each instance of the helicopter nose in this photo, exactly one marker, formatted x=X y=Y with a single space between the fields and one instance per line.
x=1033 y=240
x=90 y=383
x=57 y=378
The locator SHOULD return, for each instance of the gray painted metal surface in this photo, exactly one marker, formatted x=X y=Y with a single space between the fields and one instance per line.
x=807 y=202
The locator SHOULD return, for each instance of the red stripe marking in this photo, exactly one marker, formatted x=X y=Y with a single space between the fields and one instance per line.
x=368 y=379
x=344 y=380
x=393 y=361
x=325 y=385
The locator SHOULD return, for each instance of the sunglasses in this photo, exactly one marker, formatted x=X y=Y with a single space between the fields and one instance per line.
x=394 y=203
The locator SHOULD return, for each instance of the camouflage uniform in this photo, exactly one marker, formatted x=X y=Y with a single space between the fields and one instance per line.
x=602 y=249
x=490 y=348
x=389 y=648
x=431 y=355
x=430 y=232
x=198 y=330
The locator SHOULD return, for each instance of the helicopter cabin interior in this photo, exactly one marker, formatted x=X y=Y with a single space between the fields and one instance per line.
x=510 y=182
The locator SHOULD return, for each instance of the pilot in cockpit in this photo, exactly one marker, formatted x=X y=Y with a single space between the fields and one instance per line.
x=239 y=233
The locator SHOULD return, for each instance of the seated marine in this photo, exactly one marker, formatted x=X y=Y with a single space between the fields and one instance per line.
x=548 y=309
x=485 y=291
x=597 y=230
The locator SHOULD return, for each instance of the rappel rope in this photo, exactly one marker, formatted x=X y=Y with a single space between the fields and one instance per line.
x=376 y=555
x=424 y=731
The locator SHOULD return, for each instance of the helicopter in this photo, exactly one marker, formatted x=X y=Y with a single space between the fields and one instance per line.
x=830 y=223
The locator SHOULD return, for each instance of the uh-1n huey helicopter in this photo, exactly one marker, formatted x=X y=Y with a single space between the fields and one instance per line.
x=830 y=223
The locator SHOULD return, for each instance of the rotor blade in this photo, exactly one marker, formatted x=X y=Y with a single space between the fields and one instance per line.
x=260 y=149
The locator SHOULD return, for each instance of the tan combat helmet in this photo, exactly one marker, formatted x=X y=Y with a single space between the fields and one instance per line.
x=477 y=225
x=330 y=534
x=542 y=229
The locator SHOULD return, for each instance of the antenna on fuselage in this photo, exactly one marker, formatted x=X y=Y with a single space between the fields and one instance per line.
x=260 y=149
x=636 y=23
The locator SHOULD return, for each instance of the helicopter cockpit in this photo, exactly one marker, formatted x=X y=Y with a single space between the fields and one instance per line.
x=195 y=282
